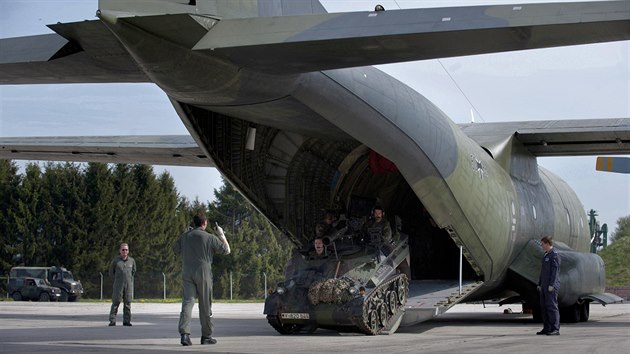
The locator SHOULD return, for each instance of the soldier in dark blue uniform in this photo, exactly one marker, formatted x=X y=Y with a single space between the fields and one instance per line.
x=123 y=268
x=548 y=288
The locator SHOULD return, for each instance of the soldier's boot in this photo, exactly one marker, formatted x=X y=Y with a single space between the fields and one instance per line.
x=208 y=340
x=186 y=340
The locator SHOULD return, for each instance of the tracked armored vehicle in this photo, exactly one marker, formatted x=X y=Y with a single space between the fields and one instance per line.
x=358 y=285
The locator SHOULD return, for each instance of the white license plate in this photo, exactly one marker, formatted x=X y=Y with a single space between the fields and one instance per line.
x=294 y=316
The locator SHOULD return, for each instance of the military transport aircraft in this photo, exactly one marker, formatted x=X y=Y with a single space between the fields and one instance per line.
x=278 y=95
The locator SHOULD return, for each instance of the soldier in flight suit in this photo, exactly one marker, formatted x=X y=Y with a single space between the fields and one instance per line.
x=548 y=288
x=196 y=248
x=123 y=268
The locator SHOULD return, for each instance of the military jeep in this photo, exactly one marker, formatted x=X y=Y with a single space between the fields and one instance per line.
x=35 y=289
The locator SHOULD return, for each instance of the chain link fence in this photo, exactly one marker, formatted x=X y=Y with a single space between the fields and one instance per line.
x=147 y=285
x=158 y=285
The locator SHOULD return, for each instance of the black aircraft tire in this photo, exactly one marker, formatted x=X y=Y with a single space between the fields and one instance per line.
x=536 y=314
x=585 y=311
x=570 y=314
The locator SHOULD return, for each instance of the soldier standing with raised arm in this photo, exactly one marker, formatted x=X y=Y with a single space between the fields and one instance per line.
x=196 y=248
x=123 y=268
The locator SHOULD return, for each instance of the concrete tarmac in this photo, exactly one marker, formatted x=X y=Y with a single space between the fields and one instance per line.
x=31 y=327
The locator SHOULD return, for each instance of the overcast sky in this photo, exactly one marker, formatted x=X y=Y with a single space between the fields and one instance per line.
x=577 y=82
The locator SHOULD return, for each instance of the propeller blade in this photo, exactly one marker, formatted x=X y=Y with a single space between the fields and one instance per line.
x=613 y=164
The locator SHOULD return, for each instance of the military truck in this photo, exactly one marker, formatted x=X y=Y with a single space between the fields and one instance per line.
x=359 y=285
x=35 y=289
x=71 y=289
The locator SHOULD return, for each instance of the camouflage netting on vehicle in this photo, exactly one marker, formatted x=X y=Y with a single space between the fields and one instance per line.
x=335 y=291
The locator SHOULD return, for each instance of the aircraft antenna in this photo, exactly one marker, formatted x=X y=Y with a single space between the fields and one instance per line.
x=462 y=92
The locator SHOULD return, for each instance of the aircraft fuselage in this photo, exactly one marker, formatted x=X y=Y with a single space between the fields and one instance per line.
x=490 y=208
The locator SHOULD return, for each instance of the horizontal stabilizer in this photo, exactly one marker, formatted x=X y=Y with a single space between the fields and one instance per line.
x=170 y=150
x=80 y=52
x=613 y=164
x=290 y=44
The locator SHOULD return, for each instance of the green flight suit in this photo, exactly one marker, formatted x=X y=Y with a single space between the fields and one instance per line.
x=123 y=272
x=196 y=248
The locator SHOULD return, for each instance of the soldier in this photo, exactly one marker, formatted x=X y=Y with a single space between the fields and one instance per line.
x=196 y=248
x=378 y=228
x=123 y=268
x=548 y=287
x=319 y=251
x=327 y=226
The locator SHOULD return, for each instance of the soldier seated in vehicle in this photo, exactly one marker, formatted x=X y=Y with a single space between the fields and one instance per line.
x=328 y=224
x=377 y=228
x=319 y=251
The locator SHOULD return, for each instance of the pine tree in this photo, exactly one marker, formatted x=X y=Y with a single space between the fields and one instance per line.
x=257 y=247
x=27 y=218
x=99 y=221
x=63 y=212
x=9 y=188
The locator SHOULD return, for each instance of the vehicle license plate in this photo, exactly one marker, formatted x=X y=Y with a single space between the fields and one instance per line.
x=294 y=316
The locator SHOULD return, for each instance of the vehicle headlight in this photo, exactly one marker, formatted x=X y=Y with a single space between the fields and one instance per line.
x=280 y=290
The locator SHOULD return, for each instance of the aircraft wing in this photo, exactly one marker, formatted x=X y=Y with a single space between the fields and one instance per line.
x=541 y=138
x=557 y=137
x=170 y=150
x=83 y=52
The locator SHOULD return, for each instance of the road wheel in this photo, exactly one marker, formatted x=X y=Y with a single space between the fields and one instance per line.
x=64 y=296
x=44 y=297
x=17 y=296
x=392 y=301
x=382 y=314
x=373 y=320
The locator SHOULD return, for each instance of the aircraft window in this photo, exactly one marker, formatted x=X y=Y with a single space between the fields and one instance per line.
x=534 y=211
